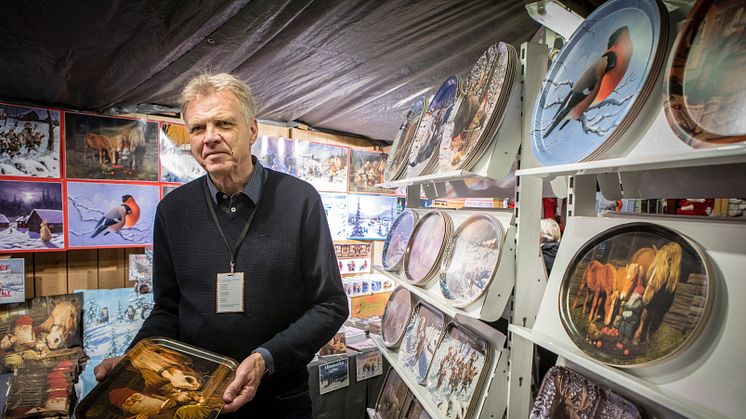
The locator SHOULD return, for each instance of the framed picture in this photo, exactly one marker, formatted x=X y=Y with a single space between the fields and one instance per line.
x=276 y=153
x=177 y=163
x=336 y=346
x=111 y=319
x=31 y=216
x=396 y=316
x=12 y=280
x=457 y=372
x=42 y=328
x=636 y=294
x=29 y=141
x=392 y=396
x=565 y=393
x=366 y=171
x=354 y=266
x=369 y=217
x=335 y=207
x=470 y=262
x=421 y=339
x=397 y=240
x=333 y=375
x=110 y=214
x=425 y=248
x=101 y=147
x=369 y=364
x=323 y=166
x=193 y=387
x=141 y=271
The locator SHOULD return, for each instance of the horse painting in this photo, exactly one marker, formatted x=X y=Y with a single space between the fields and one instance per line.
x=61 y=324
x=597 y=278
x=166 y=372
x=100 y=145
x=626 y=280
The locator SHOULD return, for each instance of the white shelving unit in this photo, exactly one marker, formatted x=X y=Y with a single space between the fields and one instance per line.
x=491 y=305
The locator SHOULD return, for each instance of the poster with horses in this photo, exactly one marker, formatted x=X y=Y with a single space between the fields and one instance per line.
x=31 y=216
x=29 y=141
x=636 y=294
x=102 y=147
x=110 y=214
x=177 y=163
x=41 y=328
x=161 y=377
x=111 y=319
x=322 y=165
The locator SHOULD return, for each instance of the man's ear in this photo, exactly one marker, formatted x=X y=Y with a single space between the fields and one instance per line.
x=254 y=129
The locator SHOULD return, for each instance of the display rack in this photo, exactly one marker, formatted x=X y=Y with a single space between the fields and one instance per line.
x=490 y=306
x=491 y=401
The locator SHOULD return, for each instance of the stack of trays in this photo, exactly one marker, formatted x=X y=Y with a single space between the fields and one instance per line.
x=600 y=82
x=704 y=87
x=398 y=239
x=481 y=108
x=426 y=246
x=396 y=163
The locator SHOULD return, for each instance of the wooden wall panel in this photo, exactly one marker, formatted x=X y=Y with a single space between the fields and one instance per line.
x=111 y=268
x=82 y=269
x=274 y=130
x=50 y=273
x=320 y=137
x=29 y=274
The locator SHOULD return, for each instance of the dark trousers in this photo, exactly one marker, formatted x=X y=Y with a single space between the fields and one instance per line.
x=293 y=406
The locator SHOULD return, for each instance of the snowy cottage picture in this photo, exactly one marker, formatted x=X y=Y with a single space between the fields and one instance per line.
x=31 y=216
x=29 y=141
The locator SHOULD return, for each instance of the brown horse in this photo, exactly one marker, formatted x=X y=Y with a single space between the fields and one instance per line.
x=644 y=257
x=61 y=323
x=599 y=278
x=663 y=277
x=625 y=281
x=98 y=144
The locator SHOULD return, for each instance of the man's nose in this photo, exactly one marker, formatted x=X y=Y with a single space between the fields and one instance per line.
x=212 y=136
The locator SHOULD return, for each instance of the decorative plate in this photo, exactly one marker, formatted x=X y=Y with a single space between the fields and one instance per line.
x=396 y=315
x=392 y=396
x=397 y=240
x=564 y=393
x=425 y=247
x=432 y=128
x=457 y=372
x=636 y=294
x=601 y=78
x=704 y=103
x=471 y=259
x=421 y=339
x=399 y=155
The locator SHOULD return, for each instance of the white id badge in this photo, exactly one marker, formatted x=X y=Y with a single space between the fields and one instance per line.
x=230 y=293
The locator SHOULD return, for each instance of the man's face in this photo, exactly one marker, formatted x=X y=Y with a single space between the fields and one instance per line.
x=220 y=136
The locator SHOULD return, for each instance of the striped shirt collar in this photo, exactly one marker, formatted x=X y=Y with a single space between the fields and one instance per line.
x=253 y=189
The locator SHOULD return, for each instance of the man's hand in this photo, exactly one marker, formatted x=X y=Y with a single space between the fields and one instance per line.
x=105 y=366
x=243 y=388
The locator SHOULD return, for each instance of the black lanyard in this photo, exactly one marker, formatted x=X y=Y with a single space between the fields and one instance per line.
x=232 y=250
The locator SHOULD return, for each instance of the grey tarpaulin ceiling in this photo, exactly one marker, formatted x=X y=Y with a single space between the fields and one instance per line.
x=348 y=65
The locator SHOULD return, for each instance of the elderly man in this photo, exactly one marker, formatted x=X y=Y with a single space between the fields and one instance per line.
x=244 y=263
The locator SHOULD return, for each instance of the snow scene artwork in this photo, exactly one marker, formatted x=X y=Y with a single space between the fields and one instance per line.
x=12 y=288
x=276 y=153
x=31 y=216
x=107 y=214
x=111 y=319
x=323 y=166
x=29 y=141
x=177 y=163
x=366 y=171
x=335 y=206
x=141 y=271
x=99 y=147
x=369 y=217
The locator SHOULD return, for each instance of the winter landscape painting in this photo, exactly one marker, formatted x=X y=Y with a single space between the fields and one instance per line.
x=111 y=319
x=31 y=216
x=29 y=141
x=276 y=153
x=323 y=166
x=12 y=288
x=177 y=163
x=99 y=147
x=369 y=217
x=366 y=170
x=335 y=206
x=107 y=214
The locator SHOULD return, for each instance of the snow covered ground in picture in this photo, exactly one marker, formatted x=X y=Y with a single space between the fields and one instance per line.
x=369 y=217
x=109 y=214
x=12 y=289
x=276 y=153
x=177 y=163
x=111 y=319
x=323 y=166
x=335 y=206
x=29 y=141
x=31 y=216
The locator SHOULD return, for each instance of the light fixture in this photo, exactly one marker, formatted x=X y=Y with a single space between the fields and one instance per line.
x=555 y=16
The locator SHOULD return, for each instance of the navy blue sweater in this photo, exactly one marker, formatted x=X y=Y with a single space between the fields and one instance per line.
x=293 y=296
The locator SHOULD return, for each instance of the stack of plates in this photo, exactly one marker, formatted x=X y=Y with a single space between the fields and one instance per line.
x=423 y=157
x=397 y=240
x=704 y=87
x=480 y=112
x=426 y=246
x=396 y=317
x=600 y=81
x=399 y=155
